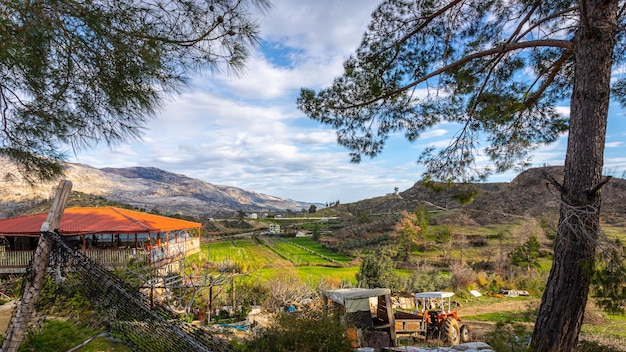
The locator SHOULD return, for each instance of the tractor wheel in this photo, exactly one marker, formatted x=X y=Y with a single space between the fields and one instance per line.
x=451 y=333
x=465 y=333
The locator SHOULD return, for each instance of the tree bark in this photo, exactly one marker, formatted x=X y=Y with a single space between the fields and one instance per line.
x=17 y=328
x=563 y=304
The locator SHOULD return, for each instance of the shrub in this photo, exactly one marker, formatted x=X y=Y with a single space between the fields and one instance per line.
x=55 y=336
x=304 y=332
x=461 y=277
x=592 y=346
x=481 y=279
x=427 y=278
x=377 y=270
x=512 y=337
x=534 y=283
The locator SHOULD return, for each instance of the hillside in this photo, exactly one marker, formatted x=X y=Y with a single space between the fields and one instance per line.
x=528 y=195
x=147 y=188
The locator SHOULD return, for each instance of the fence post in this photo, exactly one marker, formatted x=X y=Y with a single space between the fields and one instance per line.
x=17 y=328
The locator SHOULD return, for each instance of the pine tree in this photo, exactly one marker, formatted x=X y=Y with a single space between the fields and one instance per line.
x=497 y=69
x=78 y=73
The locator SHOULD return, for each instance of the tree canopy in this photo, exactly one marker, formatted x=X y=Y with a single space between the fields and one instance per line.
x=78 y=73
x=497 y=69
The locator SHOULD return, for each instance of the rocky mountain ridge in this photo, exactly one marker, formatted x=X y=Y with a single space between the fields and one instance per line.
x=149 y=188
x=527 y=195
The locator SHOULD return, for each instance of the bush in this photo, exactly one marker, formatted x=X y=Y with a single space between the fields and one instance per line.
x=425 y=279
x=56 y=336
x=304 y=332
x=591 y=346
x=377 y=270
x=462 y=277
x=512 y=337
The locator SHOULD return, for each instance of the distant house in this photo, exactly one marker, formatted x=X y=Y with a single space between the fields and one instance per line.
x=302 y=234
x=252 y=216
x=108 y=235
x=274 y=228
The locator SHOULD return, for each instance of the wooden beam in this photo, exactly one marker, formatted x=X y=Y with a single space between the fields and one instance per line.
x=17 y=328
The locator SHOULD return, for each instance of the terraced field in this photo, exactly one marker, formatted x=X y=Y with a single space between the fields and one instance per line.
x=269 y=256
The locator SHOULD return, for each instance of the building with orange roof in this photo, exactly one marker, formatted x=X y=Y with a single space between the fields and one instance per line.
x=108 y=235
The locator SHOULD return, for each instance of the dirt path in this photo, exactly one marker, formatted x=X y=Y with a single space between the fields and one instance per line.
x=503 y=305
x=480 y=328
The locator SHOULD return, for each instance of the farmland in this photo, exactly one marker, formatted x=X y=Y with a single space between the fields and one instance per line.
x=267 y=257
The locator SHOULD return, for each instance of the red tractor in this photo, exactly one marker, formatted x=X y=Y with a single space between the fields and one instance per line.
x=433 y=318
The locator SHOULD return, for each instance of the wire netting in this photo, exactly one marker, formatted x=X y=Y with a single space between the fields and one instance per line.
x=126 y=312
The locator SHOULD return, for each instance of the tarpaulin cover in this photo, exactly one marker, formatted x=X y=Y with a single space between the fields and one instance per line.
x=95 y=220
x=350 y=294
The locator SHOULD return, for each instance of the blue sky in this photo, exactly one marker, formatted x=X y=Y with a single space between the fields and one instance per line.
x=246 y=131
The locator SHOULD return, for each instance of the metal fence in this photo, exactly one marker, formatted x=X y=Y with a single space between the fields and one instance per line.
x=18 y=261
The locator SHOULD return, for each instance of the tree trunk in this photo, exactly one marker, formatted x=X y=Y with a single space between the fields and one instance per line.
x=19 y=322
x=563 y=304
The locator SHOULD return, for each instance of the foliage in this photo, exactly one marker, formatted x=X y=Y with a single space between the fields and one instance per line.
x=461 y=277
x=444 y=235
x=465 y=195
x=56 y=335
x=591 y=346
x=309 y=331
x=480 y=89
x=250 y=292
x=549 y=226
x=422 y=220
x=66 y=297
x=608 y=280
x=526 y=255
x=316 y=232
x=409 y=231
x=362 y=217
x=512 y=337
x=286 y=289
x=426 y=279
x=239 y=224
x=82 y=73
x=496 y=70
x=377 y=270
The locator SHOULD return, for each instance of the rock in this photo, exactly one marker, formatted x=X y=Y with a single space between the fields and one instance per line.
x=471 y=346
x=464 y=347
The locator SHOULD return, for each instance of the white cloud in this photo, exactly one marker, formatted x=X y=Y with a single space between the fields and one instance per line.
x=247 y=132
x=614 y=144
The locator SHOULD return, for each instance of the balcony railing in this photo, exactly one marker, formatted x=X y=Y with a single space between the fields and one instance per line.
x=17 y=261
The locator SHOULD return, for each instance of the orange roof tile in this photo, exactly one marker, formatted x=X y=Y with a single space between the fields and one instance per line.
x=96 y=220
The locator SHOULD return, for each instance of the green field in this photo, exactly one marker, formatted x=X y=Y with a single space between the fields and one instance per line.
x=244 y=252
x=317 y=247
x=270 y=256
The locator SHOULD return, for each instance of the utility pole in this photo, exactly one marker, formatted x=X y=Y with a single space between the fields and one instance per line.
x=17 y=327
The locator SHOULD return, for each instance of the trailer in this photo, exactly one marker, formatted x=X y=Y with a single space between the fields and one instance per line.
x=372 y=321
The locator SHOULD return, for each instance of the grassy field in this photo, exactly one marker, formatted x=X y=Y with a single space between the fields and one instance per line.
x=270 y=257
x=270 y=252
x=317 y=247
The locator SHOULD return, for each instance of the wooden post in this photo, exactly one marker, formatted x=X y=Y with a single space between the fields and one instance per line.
x=232 y=291
x=17 y=328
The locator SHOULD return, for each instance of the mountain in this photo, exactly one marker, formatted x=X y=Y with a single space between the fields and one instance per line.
x=149 y=188
x=527 y=195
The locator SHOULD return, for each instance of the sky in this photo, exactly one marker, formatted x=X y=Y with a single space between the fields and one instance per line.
x=246 y=131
